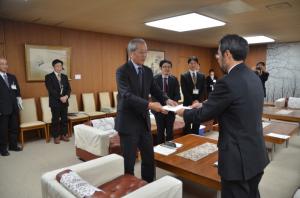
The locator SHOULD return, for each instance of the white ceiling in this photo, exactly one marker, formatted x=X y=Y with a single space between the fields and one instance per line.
x=277 y=19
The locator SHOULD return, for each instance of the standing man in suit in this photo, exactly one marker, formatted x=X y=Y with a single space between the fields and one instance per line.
x=135 y=82
x=237 y=102
x=59 y=91
x=193 y=90
x=260 y=70
x=170 y=86
x=211 y=80
x=10 y=103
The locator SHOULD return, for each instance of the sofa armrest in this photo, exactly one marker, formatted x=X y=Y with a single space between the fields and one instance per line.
x=91 y=140
x=96 y=172
x=167 y=187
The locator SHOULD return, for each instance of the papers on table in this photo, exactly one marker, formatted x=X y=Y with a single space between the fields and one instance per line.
x=284 y=112
x=163 y=150
x=265 y=124
x=216 y=164
x=279 y=135
x=175 y=108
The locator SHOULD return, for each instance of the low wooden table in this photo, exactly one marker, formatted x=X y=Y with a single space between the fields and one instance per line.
x=202 y=171
x=272 y=113
x=282 y=128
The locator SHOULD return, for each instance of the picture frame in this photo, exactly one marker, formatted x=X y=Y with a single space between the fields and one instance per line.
x=39 y=60
x=153 y=59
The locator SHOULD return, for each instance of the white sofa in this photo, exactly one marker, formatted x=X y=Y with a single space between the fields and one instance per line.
x=102 y=170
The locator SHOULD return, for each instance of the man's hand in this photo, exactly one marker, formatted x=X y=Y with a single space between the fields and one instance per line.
x=64 y=99
x=171 y=103
x=156 y=106
x=20 y=103
x=196 y=105
x=180 y=112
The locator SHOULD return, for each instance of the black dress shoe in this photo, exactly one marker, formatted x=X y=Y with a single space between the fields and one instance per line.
x=4 y=153
x=15 y=148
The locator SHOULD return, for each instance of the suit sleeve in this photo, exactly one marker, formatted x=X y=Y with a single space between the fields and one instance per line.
x=157 y=93
x=18 y=87
x=176 y=90
x=184 y=88
x=51 y=90
x=137 y=103
x=68 y=89
x=265 y=76
x=217 y=102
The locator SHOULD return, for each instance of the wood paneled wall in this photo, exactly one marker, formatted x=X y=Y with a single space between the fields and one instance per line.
x=94 y=55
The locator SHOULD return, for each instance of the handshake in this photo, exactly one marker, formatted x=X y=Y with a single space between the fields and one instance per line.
x=172 y=106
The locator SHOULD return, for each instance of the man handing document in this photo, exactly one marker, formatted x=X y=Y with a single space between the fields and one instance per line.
x=237 y=102
x=135 y=82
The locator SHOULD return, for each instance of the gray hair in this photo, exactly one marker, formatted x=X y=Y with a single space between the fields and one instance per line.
x=132 y=45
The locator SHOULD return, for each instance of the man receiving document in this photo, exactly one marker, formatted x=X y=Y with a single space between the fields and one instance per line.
x=237 y=102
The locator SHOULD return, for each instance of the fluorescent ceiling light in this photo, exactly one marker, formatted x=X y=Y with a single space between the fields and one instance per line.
x=187 y=22
x=258 y=39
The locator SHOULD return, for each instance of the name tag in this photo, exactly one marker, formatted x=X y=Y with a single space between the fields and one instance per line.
x=13 y=86
x=195 y=91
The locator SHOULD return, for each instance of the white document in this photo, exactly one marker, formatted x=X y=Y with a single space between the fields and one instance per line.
x=265 y=124
x=164 y=150
x=279 y=136
x=284 y=112
x=216 y=163
x=178 y=145
x=175 y=108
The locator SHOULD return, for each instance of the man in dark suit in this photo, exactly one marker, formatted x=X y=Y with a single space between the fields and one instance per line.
x=10 y=103
x=237 y=102
x=260 y=70
x=59 y=91
x=169 y=84
x=193 y=90
x=211 y=80
x=135 y=83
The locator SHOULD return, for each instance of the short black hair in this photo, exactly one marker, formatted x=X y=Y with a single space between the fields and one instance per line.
x=192 y=58
x=54 y=62
x=237 y=46
x=261 y=63
x=163 y=62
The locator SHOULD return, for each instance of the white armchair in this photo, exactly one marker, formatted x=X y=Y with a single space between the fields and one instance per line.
x=95 y=140
x=293 y=103
x=280 y=103
x=102 y=170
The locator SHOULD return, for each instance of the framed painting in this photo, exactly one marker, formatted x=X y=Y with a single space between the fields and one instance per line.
x=39 y=60
x=153 y=59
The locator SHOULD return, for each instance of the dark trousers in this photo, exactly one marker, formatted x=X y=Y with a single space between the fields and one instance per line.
x=59 y=121
x=241 y=189
x=191 y=128
x=9 y=131
x=143 y=141
x=165 y=123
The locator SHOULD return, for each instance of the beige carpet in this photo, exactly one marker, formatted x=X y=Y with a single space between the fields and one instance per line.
x=20 y=172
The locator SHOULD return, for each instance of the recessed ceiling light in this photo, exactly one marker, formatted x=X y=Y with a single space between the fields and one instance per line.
x=258 y=39
x=187 y=22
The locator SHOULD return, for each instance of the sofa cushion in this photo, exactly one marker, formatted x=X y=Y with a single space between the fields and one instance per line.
x=122 y=185
x=76 y=185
